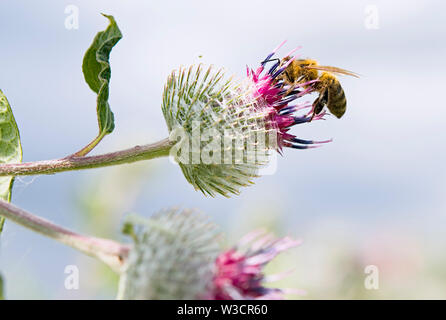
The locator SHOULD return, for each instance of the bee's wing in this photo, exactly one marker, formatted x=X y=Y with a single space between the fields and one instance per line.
x=334 y=70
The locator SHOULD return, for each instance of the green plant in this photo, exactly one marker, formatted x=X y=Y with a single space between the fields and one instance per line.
x=222 y=132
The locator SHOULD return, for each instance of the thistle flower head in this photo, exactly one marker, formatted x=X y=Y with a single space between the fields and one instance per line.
x=238 y=271
x=226 y=128
x=176 y=255
x=279 y=101
x=171 y=258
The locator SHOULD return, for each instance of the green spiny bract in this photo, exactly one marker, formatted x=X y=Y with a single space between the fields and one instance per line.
x=172 y=257
x=225 y=138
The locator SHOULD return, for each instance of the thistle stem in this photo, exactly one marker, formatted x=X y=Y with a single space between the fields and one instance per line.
x=137 y=153
x=110 y=252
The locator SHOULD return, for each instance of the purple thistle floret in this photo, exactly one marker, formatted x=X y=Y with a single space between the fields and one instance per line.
x=279 y=99
x=239 y=271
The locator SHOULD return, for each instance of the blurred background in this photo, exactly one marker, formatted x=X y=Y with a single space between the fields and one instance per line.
x=373 y=197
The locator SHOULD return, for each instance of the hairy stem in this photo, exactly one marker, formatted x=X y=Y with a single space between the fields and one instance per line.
x=110 y=252
x=137 y=153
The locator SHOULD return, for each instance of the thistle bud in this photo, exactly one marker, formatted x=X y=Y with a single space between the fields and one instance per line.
x=172 y=256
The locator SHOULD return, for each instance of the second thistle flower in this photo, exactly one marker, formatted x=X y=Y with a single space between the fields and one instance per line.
x=176 y=254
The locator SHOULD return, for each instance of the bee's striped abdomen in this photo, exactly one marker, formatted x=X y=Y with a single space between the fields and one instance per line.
x=337 y=103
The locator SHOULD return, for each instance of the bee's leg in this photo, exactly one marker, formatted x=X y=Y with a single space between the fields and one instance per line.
x=316 y=106
x=292 y=85
x=319 y=103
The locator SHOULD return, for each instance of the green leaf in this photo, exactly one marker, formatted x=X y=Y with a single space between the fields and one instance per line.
x=97 y=72
x=10 y=147
x=2 y=294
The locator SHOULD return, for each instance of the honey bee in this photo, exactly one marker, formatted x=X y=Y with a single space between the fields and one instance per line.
x=331 y=94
